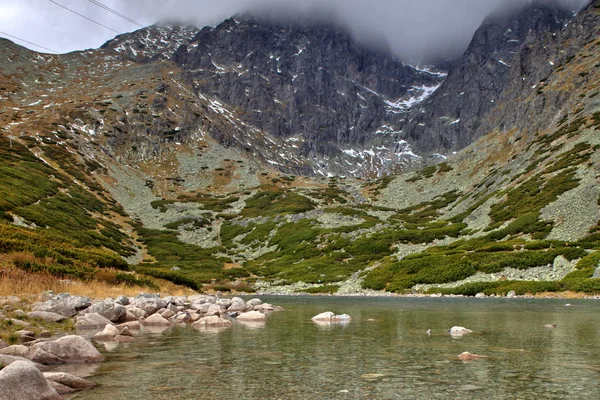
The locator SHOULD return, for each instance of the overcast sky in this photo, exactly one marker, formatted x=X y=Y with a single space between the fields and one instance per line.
x=408 y=25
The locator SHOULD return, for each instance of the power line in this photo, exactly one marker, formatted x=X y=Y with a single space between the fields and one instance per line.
x=83 y=16
x=115 y=12
x=26 y=41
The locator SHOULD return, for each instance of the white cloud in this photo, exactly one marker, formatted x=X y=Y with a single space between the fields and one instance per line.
x=408 y=25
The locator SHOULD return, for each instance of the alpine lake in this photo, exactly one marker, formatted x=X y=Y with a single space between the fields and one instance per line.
x=384 y=352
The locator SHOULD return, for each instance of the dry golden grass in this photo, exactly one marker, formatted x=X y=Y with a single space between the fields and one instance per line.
x=26 y=285
x=562 y=295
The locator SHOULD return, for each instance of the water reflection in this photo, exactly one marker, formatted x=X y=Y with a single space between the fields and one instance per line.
x=383 y=353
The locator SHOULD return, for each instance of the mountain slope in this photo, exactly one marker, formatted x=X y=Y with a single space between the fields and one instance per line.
x=151 y=165
x=452 y=117
x=307 y=82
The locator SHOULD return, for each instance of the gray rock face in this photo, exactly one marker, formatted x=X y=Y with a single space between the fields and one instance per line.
x=64 y=304
x=112 y=311
x=304 y=79
x=452 y=117
x=22 y=380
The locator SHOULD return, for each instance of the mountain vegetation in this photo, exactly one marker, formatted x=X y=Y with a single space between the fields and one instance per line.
x=260 y=156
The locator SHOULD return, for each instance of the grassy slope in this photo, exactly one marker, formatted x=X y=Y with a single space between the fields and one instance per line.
x=286 y=231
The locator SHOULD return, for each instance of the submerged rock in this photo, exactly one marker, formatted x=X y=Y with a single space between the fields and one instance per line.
x=251 y=316
x=458 y=331
x=466 y=356
x=329 y=317
x=211 y=321
x=68 y=380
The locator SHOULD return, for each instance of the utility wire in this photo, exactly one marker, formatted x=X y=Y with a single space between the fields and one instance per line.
x=26 y=41
x=115 y=12
x=83 y=16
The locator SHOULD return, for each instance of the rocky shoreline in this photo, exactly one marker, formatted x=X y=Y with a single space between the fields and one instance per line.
x=25 y=366
x=373 y=293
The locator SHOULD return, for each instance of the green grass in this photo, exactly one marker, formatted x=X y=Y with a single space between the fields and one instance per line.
x=194 y=263
x=458 y=261
x=275 y=202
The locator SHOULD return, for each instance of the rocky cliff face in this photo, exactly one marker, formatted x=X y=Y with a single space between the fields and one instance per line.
x=156 y=42
x=308 y=82
x=452 y=117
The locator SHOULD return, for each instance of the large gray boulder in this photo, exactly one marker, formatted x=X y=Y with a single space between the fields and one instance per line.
x=16 y=350
x=254 y=302
x=70 y=349
x=109 y=332
x=156 y=320
x=149 y=305
x=64 y=304
x=135 y=312
x=237 y=304
x=91 y=321
x=112 y=311
x=22 y=380
x=46 y=316
x=252 y=316
x=122 y=300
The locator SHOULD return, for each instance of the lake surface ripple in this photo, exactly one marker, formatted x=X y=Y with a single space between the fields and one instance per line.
x=383 y=353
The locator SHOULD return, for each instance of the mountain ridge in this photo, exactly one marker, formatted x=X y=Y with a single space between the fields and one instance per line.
x=181 y=184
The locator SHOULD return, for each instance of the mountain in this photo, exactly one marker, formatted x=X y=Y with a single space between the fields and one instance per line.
x=148 y=157
x=453 y=116
x=327 y=103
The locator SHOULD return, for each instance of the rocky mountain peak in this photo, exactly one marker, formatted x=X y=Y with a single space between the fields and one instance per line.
x=449 y=120
x=155 y=42
x=308 y=81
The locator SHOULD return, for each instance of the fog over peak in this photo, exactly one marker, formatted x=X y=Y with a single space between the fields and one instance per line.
x=413 y=29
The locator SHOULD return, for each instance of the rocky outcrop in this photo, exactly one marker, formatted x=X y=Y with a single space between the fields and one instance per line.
x=454 y=116
x=306 y=81
x=64 y=304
